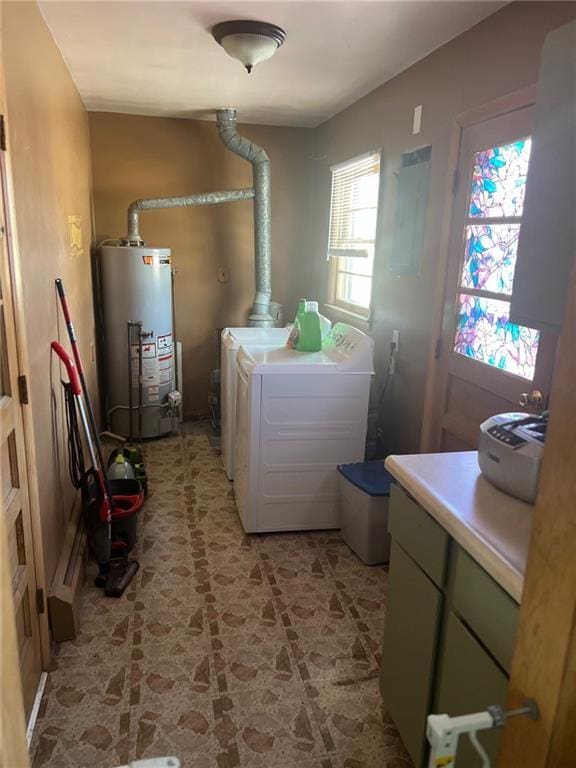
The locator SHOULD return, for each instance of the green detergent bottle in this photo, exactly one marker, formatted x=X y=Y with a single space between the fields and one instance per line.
x=300 y=311
x=310 y=335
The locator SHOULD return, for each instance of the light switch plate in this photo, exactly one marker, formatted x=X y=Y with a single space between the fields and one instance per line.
x=417 y=121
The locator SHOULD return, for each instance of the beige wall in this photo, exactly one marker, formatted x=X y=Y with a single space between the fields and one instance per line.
x=136 y=157
x=495 y=58
x=50 y=154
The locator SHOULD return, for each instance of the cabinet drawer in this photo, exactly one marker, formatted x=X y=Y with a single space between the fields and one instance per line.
x=420 y=536
x=409 y=648
x=468 y=681
x=485 y=607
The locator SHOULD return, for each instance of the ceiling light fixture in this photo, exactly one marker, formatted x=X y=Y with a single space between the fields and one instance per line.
x=249 y=41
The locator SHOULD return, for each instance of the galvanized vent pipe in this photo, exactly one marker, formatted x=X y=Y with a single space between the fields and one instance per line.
x=226 y=119
x=260 y=192
x=155 y=203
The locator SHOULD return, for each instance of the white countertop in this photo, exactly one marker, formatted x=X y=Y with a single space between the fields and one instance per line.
x=491 y=526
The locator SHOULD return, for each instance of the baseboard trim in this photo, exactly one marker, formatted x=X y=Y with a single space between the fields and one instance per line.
x=64 y=595
x=36 y=707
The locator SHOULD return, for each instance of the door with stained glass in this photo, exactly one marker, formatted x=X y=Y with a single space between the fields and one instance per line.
x=487 y=365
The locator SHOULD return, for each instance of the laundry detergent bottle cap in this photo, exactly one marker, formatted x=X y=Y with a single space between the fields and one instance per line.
x=311 y=306
x=121 y=469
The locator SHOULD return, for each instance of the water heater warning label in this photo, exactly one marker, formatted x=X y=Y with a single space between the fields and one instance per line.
x=150 y=373
x=153 y=393
x=148 y=351
x=166 y=375
x=165 y=342
x=155 y=372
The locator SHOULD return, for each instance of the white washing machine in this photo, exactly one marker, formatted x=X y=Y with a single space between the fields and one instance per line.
x=298 y=416
x=231 y=340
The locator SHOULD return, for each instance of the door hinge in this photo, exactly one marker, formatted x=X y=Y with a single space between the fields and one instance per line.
x=23 y=389
x=455 y=180
x=438 y=350
x=40 y=604
x=2 y=133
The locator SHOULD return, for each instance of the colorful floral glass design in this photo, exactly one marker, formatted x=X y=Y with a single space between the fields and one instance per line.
x=490 y=257
x=499 y=180
x=484 y=333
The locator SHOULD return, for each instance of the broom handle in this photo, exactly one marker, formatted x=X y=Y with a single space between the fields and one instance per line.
x=87 y=401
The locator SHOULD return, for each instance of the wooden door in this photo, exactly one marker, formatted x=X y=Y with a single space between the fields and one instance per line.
x=486 y=364
x=13 y=747
x=14 y=497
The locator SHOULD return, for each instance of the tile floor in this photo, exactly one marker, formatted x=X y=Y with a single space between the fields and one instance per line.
x=227 y=650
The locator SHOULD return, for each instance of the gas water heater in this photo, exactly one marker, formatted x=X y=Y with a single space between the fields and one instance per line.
x=139 y=346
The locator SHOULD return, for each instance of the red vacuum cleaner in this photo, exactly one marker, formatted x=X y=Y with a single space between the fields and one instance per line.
x=109 y=507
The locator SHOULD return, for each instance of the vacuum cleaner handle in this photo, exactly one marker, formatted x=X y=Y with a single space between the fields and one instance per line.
x=108 y=505
x=69 y=324
x=70 y=367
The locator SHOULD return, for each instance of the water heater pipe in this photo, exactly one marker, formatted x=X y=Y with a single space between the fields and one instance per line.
x=226 y=120
x=260 y=193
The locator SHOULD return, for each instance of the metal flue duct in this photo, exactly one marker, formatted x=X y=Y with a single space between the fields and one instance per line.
x=155 y=203
x=260 y=192
x=226 y=119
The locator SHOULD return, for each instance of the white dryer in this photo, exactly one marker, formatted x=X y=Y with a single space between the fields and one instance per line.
x=231 y=340
x=298 y=416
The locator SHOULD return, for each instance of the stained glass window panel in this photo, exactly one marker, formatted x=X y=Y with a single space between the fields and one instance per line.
x=484 y=333
x=490 y=257
x=499 y=180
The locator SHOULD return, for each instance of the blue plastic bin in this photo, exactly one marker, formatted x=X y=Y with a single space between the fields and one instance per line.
x=364 y=499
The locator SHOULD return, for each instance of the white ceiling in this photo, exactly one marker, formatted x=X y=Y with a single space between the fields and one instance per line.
x=159 y=58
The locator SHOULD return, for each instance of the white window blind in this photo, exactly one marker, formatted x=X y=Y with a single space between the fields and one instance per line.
x=354 y=208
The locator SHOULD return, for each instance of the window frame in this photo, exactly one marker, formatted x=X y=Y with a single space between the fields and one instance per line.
x=336 y=267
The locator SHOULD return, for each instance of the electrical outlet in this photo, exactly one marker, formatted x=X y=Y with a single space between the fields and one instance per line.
x=394 y=352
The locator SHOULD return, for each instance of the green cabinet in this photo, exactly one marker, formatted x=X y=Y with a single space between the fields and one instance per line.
x=468 y=681
x=409 y=648
x=449 y=632
x=491 y=613
x=418 y=534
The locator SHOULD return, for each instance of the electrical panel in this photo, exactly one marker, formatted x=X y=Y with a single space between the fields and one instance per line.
x=411 y=209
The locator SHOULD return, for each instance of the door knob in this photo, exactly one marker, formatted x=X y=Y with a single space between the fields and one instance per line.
x=534 y=399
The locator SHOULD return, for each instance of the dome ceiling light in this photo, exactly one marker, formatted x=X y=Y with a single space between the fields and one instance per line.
x=249 y=41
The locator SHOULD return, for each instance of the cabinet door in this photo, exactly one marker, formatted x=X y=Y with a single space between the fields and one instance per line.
x=468 y=681
x=408 y=650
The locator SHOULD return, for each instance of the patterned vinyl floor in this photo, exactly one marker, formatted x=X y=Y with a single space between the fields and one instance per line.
x=227 y=650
